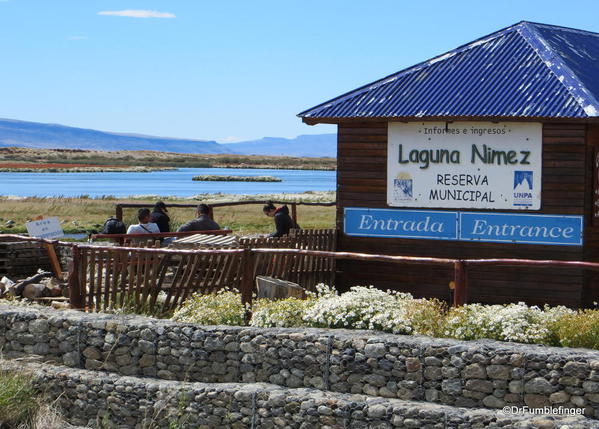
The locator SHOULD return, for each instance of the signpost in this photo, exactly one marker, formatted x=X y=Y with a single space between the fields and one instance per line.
x=482 y=165
x=47 y=228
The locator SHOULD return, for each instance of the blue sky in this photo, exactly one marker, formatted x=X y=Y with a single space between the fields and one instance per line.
x=230 y=69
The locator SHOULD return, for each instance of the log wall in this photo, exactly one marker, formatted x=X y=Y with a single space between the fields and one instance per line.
x=566 y=189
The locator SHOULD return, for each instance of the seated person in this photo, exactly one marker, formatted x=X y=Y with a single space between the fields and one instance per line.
x=144 y=226
x=160 y=217
x=283 y=222
x=202 y=223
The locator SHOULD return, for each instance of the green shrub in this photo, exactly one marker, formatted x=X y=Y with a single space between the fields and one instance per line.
x=18 y=399
x=283 y=313
x=221 y=308
x=579 y=329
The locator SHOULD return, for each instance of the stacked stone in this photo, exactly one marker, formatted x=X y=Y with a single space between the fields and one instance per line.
x=100 y=399
x=485 y=374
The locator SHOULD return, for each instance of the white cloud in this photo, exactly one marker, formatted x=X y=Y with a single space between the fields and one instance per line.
x=138 y=13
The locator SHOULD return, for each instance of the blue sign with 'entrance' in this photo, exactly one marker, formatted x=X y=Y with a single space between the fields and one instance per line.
x=521 y=228
x=465 y=226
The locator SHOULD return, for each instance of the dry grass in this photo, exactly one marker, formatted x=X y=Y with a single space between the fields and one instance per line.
x=87 y=213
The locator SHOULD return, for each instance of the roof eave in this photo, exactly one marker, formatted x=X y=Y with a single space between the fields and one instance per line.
x=338 y=120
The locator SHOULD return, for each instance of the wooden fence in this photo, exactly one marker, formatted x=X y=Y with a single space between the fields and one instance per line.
x=304 y=269
x=149 y=280
x=104 y=277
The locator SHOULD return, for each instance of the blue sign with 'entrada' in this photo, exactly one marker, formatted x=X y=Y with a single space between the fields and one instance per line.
x=401 y=223
x=465 y=226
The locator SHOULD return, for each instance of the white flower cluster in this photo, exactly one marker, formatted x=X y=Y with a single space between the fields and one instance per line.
x=510 y=322
x=362 y=308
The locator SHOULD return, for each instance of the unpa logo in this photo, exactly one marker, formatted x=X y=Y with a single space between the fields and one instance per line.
x=523 y=188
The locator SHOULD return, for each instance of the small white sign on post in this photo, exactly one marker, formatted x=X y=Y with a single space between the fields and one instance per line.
x=45 y=228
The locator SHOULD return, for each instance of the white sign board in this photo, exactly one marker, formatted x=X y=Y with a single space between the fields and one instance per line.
x=480 y=165
x=45 y=228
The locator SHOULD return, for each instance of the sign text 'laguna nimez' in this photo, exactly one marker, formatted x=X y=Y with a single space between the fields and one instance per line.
x=480 y=165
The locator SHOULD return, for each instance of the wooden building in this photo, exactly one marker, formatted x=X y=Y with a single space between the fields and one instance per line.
x=446 y=140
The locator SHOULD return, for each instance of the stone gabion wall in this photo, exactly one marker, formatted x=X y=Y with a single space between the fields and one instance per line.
x=467 y=374
x=98 y=399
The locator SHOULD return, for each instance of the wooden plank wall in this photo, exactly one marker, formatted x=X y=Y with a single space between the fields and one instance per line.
x=361 y=182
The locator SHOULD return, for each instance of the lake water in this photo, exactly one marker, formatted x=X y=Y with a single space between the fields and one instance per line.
x=163 y=183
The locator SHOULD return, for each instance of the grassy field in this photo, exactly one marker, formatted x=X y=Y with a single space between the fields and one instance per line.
x=51 y=157
x=86 y=214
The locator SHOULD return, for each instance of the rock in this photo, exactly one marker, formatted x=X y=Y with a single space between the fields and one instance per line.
x=479 y=385
x=501 y=372
x=413 y=364
x=493 y=402
x=39 y=326
x=536 y=401
x=516 y=386
x=452 y=387
x=539 y=385
x=559 y=397
x=33 y=290
x=576 y=369
x=475 y=370
x=92 y=353
x=375 y=350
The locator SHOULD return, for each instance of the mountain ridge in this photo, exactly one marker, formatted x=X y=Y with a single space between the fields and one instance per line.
x=18 y=133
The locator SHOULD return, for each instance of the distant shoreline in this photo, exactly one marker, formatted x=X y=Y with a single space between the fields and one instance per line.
x=222 y=178
x=18 y=159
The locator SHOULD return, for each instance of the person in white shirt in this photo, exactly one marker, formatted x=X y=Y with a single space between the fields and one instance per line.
x=144 y=226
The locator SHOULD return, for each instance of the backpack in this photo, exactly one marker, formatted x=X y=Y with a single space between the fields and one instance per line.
x=114 y=226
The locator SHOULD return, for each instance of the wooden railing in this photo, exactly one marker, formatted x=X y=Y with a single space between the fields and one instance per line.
x=120 y=206
x=305 y=270
x=102 y=277
x=106 y=277
x=121 y=239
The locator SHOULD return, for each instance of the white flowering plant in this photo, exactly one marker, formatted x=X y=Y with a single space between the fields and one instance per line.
x=509 y=322
x=369 y=308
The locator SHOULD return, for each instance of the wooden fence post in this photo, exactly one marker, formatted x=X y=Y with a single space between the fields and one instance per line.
x=460 y=294
x=211 y=212
x=54 y=262
x=75 y=297
x=119 y=212
x=294 y=212
x=248 y=263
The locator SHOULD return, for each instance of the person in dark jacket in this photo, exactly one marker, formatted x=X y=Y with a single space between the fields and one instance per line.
x=202 y=223
x=160 y=217
x=283 y=221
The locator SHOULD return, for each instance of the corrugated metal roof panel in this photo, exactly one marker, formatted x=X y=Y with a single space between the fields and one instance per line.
x=526 y=71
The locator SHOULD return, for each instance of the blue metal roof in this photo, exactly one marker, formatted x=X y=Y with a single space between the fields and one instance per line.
x=527 y=70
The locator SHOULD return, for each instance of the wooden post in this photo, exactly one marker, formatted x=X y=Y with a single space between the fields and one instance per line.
x=460 y=293
x=54 y=262
x=75 y=297
x=294 y=212
x=119 y=212
x=211 y=212
x=247 y=283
